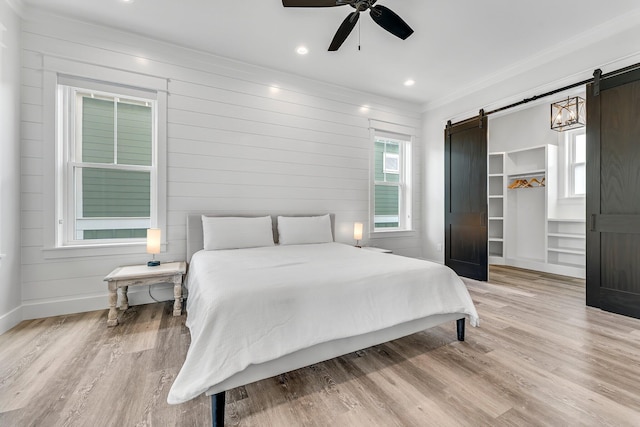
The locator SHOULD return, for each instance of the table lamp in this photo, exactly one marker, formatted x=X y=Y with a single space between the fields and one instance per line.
x=357 y=233
x=153 y=245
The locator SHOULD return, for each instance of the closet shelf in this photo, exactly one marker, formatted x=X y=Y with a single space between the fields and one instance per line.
x=527 y=174
x=567 y=251
x=496 y=239
x=566 y=220
x=568 y=235
x=496 y=196
x=578 y=265
x=496 y=218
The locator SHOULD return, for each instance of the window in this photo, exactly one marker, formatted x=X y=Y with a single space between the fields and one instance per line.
x=391 y=163
x=391 y=182
x=107 y=173
x=576 y=165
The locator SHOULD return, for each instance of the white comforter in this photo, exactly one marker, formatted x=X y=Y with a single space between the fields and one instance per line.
x=250 y=306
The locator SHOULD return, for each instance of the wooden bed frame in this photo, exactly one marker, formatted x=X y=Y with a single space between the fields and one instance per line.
x=308 y=356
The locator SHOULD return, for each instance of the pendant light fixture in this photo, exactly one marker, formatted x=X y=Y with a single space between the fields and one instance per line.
x=568 y=114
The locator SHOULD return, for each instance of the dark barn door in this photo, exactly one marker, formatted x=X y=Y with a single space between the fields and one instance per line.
x=613 y=194
x=465 y=215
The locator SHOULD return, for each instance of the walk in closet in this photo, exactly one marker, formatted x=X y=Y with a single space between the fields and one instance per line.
x=533 y=224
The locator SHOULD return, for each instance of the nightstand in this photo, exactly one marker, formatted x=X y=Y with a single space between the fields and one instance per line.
x=138 y=275
x=380 y=250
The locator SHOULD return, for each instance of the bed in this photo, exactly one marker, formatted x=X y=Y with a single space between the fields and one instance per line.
x=259 y=311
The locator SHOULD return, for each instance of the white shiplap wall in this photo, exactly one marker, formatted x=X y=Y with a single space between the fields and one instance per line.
x=10 y=298
x=235 y=143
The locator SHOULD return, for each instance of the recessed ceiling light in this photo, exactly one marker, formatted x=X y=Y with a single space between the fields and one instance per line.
x=364 y=108
x=126 y=1
x=409 y=82
x=302 y=50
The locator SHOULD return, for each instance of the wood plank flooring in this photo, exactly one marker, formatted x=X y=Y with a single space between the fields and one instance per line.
x=540 y=357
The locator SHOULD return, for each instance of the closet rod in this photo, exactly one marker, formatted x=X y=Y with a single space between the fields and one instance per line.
x=562 y=89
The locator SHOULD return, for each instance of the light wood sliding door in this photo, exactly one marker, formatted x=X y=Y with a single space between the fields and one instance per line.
x=466 y=249
x=613 y=194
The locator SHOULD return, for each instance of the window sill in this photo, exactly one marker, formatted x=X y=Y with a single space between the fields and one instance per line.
x=392 y=233
x=83 y=251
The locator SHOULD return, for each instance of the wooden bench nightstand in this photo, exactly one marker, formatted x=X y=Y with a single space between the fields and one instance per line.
x=137 y=275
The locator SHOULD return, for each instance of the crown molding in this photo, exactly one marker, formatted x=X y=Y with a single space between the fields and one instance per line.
x=467 y=112
x=18 y=6
x=583 y=40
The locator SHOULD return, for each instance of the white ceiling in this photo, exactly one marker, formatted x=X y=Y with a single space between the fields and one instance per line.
x=456 y=46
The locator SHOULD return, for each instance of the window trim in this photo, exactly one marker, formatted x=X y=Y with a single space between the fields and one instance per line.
x=57 y=69
x=71 y=92
x=405 y=185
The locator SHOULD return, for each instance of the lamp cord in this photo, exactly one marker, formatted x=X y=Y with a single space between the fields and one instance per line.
x=151 y=296
x=184 y=295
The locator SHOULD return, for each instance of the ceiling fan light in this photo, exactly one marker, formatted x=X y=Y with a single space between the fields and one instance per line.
x=302 y=50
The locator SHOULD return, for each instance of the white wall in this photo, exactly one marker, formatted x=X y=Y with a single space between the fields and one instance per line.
x=524 y=128
x=235 y=143
x=10 y=298
x=610 y=46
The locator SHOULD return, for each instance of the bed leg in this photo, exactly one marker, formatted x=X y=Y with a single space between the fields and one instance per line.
x=460 y=327
x=217 y=409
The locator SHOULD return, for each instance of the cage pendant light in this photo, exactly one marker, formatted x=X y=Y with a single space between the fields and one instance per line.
x=568 y=114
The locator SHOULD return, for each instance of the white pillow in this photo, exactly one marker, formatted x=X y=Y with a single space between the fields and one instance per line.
x=236 y=232
x=300 y=230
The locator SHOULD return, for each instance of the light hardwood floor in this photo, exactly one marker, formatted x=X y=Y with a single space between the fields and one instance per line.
x=540 y=357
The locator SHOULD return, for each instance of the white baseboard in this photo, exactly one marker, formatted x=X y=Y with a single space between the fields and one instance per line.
x=562 y=270
x=10 y=319
x=59 y=307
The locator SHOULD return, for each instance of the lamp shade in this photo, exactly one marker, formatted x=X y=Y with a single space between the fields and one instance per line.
x=153 y=240
x=357 y=231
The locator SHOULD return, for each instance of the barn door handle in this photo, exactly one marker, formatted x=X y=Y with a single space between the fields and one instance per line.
x=592 y=223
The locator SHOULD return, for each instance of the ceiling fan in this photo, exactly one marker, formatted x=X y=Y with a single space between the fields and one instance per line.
x=382 y=16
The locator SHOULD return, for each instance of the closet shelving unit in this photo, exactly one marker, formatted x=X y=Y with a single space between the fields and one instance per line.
x=527 y=229
x=526 y=207
x=496 y=185
x=566 y=246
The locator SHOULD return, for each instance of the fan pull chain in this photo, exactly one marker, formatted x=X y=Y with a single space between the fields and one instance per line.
x=359 y=26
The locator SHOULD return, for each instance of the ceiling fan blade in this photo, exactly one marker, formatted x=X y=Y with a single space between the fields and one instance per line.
x=391 y=22
x=311 y=3
x=343 y=32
